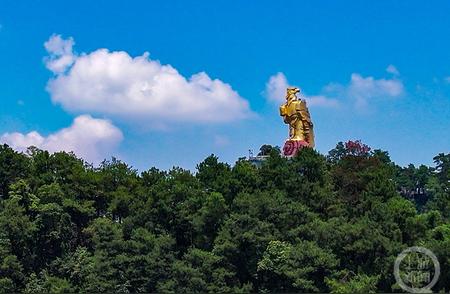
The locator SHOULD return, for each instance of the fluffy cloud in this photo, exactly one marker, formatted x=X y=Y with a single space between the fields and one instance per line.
x=276 y=87
x=321 y=100
x=392 y=70
x=136 y=88
x=359 y=91
x=276 y=91
x=60 y=54
x=92 y=139
x=362 y=89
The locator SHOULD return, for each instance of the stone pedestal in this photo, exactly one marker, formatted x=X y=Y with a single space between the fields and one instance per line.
x=291 y=147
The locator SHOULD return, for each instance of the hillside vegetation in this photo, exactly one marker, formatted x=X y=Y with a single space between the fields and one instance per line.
x=314 y=223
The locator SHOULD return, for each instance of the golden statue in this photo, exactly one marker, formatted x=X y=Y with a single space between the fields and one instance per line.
x=295 y=113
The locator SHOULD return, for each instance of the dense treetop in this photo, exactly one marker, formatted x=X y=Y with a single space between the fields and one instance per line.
x=313 y=223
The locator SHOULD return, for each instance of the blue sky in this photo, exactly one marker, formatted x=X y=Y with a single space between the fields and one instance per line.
x=377 y=71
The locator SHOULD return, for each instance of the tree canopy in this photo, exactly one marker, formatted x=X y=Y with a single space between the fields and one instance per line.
x=313 y=223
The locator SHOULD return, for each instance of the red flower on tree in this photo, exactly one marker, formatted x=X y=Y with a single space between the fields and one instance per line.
x=357 y=148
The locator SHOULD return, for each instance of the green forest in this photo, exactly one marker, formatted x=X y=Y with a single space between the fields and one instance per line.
x=312 y=223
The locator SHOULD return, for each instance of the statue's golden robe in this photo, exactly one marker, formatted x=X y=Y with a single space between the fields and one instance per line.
x=295 y=113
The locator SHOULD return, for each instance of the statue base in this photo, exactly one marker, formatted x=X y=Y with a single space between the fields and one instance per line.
x=291 y=147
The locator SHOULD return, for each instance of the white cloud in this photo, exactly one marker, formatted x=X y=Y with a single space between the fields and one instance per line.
x=21 y=142
x=137 y=88
x=361 y=89
x=392 y=70
x=276 y=91
x=321 y=100
x=61 y=56
x=92 y=139
x=276 y=87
